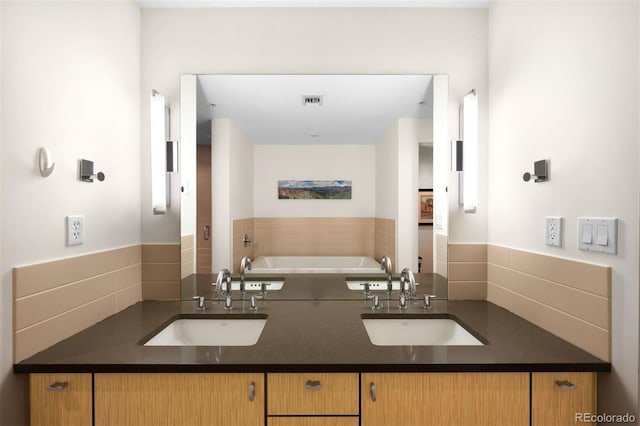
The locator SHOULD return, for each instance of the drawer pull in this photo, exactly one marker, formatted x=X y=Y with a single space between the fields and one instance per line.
x=373 y=389
x=252 y=391
x=565 y=385
x=57 y=387
x=312 y=385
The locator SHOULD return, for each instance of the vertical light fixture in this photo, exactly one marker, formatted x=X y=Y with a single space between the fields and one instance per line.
x=158 y=154
x=470 y=157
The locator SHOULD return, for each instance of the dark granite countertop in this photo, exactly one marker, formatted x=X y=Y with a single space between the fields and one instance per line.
x=312 y=335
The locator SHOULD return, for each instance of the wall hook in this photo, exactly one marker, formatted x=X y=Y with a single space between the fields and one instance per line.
x=45 y=164
x=540 y=172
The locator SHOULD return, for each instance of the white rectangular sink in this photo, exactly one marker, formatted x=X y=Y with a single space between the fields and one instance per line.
x=209 y=332
x=253 y=285
x=418 y=332
x=374 y=285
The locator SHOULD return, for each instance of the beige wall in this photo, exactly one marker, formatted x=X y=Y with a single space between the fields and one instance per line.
x=54 y=300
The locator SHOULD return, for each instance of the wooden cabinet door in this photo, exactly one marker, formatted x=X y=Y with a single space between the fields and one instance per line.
x=313 y=421
x=179 y=399
x=60 y=399
x=440 y=399
x=557 y=398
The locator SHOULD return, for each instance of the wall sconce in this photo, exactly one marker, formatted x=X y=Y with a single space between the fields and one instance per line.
x=470 y=158
x=158 y=153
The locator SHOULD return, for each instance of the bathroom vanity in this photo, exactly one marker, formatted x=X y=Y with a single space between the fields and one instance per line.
x=313 y=364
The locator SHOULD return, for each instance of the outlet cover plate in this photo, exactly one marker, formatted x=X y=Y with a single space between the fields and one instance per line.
x=553 y=231
x=75 y=230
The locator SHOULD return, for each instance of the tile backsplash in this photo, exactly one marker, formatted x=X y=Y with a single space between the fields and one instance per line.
x=568 y=298
x=54 y=300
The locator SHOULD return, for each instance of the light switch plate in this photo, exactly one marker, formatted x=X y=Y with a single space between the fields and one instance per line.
x=598 y=234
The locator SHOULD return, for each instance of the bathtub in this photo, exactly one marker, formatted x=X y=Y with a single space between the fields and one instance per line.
x=313 y=264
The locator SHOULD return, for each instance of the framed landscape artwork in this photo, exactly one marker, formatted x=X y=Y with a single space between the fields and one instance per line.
x=425 y=207
x=314 y=189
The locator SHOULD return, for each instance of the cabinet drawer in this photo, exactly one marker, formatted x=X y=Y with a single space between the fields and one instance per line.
x=60 y=399
x=313 y=421
x=554 y=405
x=313 y=393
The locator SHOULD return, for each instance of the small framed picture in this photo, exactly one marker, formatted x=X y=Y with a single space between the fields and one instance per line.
x=425 y=207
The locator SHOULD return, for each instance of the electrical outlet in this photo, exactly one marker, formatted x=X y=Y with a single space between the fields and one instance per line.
x=553 y=231
x=75 y=230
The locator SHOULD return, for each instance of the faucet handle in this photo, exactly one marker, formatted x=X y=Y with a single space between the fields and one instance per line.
x=253 y=302
x=402 y=302
x=200 y=305
x=427 y=300
x=375 y=302
x=228 y=303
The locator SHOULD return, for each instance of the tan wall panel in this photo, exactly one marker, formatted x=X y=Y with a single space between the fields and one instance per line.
x=467 y=290
x=128 y=296
x=161 y=272
x=467 y=271
x=44 y=334
x=160 y=253
x=468 y=253
x=586 y=306
x=129 y=276
x=313 y=237
x=45 y=276
x=499 y=296
x=499 y=275
x=589 y=337
x=128 y=256
x=584 y=276
x=186 y=241
x=39 y=307
x=499 y=255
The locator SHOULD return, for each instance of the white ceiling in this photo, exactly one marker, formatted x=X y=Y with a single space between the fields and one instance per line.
x=313 y=3
x=356 y=109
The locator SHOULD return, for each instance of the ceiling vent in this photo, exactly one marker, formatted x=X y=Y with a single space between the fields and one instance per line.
x=312 y=100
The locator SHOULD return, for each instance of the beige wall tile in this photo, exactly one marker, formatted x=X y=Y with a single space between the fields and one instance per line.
x=586 y=306
x=39 y=307
x=128 y=296
x=44 y=334
x=160 y=272
x=467 y=290
x=467 y=252
x=499 y=296
x=186 y=242
x=584 y=276
x=589 y=337
x=499 y=255
x=128 y=256
x=129 y=276
x=499 y=275
x=467 y=271
x=160 y=253
x=45 y=276
x=160 y=290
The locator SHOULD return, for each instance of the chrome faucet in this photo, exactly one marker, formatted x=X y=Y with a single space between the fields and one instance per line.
x=406 y=276
x=245 y=263
x=385 y=265
x=224 y=276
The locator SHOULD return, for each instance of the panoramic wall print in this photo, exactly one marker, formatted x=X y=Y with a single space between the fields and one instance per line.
x=314 y=189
